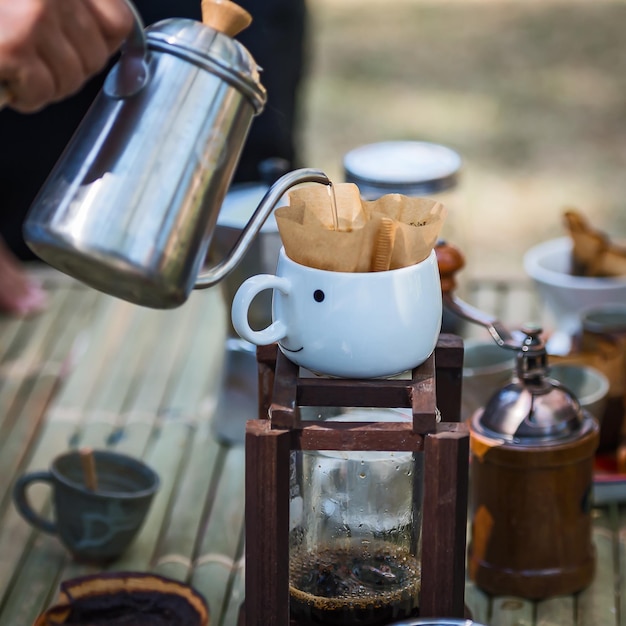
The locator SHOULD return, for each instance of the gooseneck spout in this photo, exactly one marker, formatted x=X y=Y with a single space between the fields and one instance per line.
x=213 y=275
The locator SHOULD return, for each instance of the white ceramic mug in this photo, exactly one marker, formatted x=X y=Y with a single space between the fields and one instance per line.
x=351 y=325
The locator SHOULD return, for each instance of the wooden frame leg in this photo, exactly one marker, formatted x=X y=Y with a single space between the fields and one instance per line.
x=446 y=457
x=449 y=380
x=267 y=524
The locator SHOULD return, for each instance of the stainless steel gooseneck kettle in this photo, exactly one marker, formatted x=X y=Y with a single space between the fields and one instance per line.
x=131 y=206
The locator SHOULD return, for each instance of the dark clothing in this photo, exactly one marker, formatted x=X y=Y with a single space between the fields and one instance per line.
x=31 y=144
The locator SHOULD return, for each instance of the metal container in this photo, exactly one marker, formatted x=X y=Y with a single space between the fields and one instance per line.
x=131 y=206
x=411 y=168
x=238 y=399
x=532 y=450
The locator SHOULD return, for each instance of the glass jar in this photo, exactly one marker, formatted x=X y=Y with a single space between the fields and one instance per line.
x=355 y=525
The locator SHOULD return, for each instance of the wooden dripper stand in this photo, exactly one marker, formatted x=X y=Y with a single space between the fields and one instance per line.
x=432 y=387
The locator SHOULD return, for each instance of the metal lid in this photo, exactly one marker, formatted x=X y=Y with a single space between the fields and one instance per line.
x=412 y=168
x=533 y=409
x=214 y=51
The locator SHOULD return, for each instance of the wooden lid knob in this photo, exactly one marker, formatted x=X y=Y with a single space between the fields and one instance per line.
x=450 y=260
x=226 y=16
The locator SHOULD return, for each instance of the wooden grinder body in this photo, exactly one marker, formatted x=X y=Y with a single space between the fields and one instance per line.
x=531 y=515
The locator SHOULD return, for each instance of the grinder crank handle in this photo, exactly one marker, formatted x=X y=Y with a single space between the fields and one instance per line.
x=450 y=260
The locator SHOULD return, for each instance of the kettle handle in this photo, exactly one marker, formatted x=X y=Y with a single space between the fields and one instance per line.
x=212 y=275
x=130 y=74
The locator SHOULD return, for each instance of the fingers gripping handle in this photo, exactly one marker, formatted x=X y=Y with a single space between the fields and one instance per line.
x=248 y=290
x=131 y=73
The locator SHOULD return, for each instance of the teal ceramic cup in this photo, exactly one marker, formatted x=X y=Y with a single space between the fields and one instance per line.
x=94 y=525
x=588 y=385
x=486 y=368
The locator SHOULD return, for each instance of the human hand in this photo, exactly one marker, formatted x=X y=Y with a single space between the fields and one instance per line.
x=20 y=294
x=49 y=48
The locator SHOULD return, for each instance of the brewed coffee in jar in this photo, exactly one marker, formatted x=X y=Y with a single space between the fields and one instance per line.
x=355 y=519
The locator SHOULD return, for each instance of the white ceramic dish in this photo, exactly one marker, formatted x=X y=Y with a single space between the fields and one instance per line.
x=564 y=295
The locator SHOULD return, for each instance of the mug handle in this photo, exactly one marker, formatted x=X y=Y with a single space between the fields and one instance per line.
x=23 y=506
x=242 y=301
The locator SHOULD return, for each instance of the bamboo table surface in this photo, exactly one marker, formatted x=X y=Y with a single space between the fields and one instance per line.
x=96 y=371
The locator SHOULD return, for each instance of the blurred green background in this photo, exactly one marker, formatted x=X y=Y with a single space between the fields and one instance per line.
x=531 y=94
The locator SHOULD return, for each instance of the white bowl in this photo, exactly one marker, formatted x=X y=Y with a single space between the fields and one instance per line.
x=564 y=295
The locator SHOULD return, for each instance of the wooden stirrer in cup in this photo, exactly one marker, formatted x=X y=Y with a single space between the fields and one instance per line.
x=88 y=463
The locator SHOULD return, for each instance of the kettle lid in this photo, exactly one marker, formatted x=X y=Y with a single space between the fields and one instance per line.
x=211 y=49
x=533 y=409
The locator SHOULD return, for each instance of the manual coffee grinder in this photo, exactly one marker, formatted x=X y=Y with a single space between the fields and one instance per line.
x=285 y=433
x=532 y=450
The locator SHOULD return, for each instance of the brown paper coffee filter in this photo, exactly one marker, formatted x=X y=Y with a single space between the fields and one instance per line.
x=418 y=222
x=391 y=232
x=307 y=231
x=317 y=202
x=593 y=253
